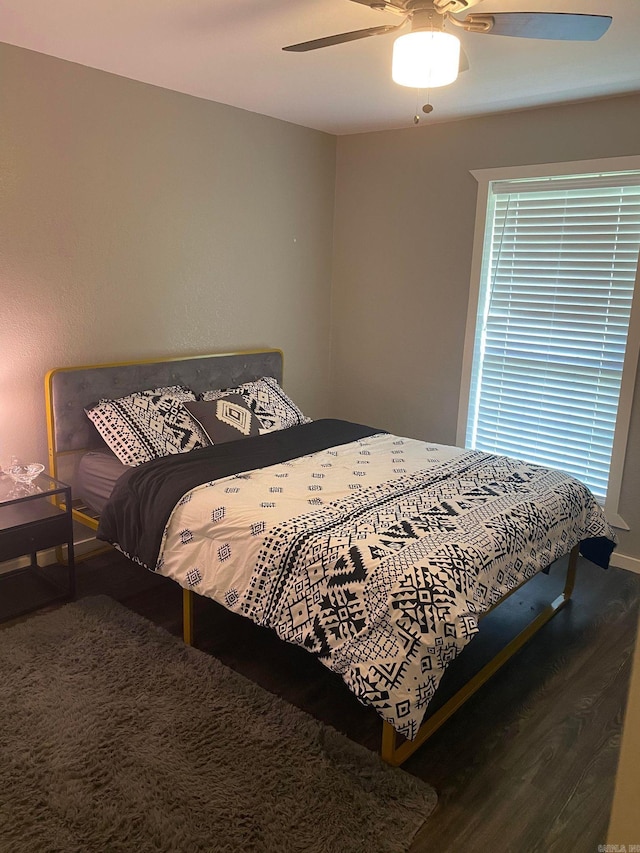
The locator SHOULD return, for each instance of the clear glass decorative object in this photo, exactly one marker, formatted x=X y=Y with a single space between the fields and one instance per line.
x=23 y=474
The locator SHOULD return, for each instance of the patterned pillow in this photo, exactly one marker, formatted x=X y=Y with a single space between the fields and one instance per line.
x=228 y=418
x=147 y=424
x=267 y=401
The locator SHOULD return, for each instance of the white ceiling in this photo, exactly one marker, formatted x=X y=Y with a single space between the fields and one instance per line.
x=230 y=51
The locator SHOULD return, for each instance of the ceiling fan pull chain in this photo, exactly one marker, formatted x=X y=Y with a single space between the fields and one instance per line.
x=426 y=108
x=416 y=114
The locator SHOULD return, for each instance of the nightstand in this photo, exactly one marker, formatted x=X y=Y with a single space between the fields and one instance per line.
x=29 y=523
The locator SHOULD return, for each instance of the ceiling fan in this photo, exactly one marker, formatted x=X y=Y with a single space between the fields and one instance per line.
x=428 y=56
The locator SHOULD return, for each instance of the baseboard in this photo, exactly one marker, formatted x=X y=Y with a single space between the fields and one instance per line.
x=623 y=561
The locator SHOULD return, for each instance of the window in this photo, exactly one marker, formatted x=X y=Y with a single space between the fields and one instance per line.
x=551 y=338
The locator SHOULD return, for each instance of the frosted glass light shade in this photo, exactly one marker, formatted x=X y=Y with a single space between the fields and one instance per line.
x=425 y=59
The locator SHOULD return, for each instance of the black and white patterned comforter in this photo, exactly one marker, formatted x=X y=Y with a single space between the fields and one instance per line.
x=377 y=555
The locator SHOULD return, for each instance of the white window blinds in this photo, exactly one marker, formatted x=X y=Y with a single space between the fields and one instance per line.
x=559 y=266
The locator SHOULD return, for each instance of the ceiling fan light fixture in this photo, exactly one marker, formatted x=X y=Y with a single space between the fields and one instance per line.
x=425 y=59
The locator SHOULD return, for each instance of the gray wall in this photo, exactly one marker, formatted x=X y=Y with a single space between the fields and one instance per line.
x=404 y=226
x=139 y=222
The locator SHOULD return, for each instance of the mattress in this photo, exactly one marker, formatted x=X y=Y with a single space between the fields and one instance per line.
x=98 y=472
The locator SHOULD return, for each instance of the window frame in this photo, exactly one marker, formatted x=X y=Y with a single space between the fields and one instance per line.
x=485 y=177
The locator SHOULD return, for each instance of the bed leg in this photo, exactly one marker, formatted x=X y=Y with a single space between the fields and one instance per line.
x=388 y=751
x=571 y=572
x=187 y=617
x=395 y=754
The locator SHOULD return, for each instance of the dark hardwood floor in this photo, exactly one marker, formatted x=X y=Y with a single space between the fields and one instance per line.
x=528 y=764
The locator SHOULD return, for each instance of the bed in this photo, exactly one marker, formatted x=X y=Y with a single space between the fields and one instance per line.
x=377 y=553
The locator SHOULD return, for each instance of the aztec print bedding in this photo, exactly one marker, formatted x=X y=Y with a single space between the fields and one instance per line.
x=375 y=552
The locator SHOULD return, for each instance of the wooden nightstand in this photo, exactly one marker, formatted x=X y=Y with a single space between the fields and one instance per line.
x=30 y=523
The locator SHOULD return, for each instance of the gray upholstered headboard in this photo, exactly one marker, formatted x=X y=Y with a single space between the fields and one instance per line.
x=69 y=390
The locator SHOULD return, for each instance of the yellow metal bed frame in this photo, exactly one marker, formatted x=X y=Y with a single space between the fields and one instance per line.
x=392 y=751
x=396 y=753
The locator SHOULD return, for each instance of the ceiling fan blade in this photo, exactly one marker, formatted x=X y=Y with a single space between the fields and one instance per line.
x=547 y=25
x=342 y=37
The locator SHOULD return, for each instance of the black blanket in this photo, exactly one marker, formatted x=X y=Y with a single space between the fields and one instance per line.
x=135 y=516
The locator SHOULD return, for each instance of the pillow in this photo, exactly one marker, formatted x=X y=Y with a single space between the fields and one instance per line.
x=147 y=424
x=267 y=401
x=226 y=419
